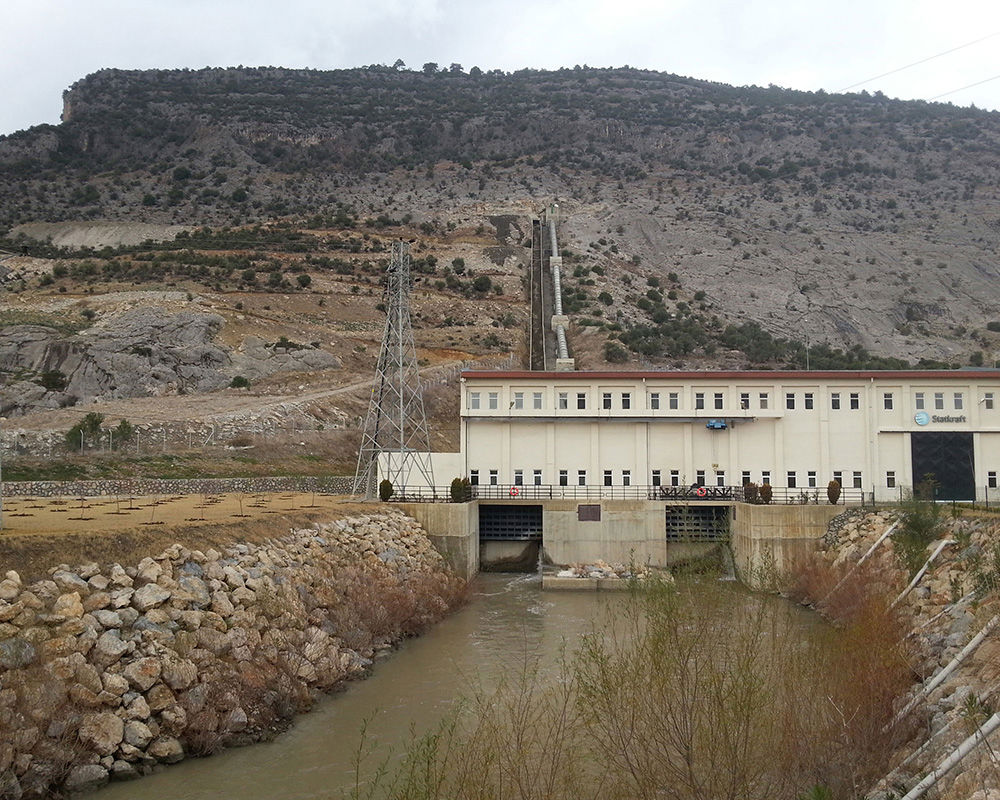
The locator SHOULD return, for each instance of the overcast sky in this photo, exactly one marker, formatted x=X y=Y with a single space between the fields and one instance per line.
x=45 y=45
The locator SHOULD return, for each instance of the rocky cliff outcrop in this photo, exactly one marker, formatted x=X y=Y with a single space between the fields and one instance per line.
x=106 y=672
x=141 y=352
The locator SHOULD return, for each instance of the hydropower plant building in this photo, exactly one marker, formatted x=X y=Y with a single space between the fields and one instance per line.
x=877 y=432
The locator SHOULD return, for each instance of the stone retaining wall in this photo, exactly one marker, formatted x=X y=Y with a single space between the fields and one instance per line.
x=337 y=484
x=106 y=672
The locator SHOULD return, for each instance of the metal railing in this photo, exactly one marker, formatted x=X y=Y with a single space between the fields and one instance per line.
x=780 y=495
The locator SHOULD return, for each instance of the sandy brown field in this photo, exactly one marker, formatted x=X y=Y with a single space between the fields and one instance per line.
x=39 y=533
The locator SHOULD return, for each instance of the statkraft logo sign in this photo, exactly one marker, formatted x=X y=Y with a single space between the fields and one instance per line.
x=921 y=418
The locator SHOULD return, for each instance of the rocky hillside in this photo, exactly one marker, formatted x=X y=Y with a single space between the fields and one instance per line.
x=701 y=225
x=835 y=219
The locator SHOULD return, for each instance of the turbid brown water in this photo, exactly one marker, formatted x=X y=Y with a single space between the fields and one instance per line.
x=508 y=617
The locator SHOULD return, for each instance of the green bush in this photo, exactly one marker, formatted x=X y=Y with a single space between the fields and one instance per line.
x=751 y=493
x=385 y=490
x=239 y=382
x=833 y=492
x=765 y=493
x=919 y=526
x=461 y=490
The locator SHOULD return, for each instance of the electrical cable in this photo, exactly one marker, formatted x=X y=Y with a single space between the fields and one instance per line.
x=953 y=91
x=923 y=61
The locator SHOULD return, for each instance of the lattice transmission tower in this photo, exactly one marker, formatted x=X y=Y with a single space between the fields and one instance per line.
x=396 y=425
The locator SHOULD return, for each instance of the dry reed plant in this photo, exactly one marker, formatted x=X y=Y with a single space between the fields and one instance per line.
x=704 y=694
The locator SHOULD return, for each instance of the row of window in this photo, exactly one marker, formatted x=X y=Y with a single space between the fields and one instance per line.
x=674 y=478
x=838 y=400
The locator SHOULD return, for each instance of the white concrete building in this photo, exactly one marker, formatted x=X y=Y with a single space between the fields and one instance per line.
x=619 y=433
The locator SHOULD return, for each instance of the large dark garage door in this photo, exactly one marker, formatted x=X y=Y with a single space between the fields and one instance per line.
x=948 y=457
x=518 y=522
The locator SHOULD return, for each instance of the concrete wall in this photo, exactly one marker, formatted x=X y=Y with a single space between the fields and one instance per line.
x=767 y=539
x=453 y=529
x=629 y=530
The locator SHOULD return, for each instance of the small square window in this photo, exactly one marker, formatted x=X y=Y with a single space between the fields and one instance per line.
x=474 y=477
x=626 y=400
x=581 y=477
x=626 y=477
x=581 y=400
x=537 y=477
x=493 y=477
x=890 y=479
x=536 y=400
x=887 y=401
x=494 y=400
x=675 y=477
x=564 y=477
x=835 y=401
x=607 y=477
x=720 y=477
x=807 y=401
x=718 y=400
x=857 y=480
x=790 y=400
x=918 y=401
x=745 y=477
x=654 y=401
x=790 y=479
x=518 y=477
x=656 y=477
x=700 y=477
x=855 y=401
x=763 y=400
x=988 y=400
x=519 y=400
x=991 y=480
x=474 y=400
x=699 y=400
x=811 y=478
x=674 y=400
x=563 y=400
x=959 y=401
x=744 y=400
x=606 y=400
x=938 y=401
x=765 y=476
x=839 y=477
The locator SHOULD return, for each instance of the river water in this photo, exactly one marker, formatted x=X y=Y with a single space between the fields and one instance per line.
x=508 y=616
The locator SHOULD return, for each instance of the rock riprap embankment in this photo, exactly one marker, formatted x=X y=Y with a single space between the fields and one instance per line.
x=106 y=672
x=954 y=600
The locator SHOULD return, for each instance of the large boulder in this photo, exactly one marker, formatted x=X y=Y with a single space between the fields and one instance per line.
x=102 y=732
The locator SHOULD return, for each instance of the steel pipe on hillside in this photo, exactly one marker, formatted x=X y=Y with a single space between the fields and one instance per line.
x=956 y=756
x=942 y=675
x=916 y=578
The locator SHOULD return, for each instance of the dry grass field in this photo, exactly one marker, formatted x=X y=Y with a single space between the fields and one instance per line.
x=39 y=533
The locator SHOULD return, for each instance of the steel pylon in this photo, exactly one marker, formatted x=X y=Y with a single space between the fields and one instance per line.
x=396 y=425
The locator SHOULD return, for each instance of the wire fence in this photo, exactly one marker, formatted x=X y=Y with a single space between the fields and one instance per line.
x=780 y=495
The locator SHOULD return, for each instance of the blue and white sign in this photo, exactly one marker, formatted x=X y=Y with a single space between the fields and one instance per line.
x=921 y=418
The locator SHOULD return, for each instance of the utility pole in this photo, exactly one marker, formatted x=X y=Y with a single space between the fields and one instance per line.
x=396 y=425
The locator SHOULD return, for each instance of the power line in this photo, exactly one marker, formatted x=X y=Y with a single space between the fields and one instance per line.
x=953 y=91
x=924 y=61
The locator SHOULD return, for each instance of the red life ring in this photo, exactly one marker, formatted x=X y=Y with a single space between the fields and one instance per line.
x=513 y=491
x=700 y=491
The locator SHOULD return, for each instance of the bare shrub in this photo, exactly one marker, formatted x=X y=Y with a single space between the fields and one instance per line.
x=684 y=696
